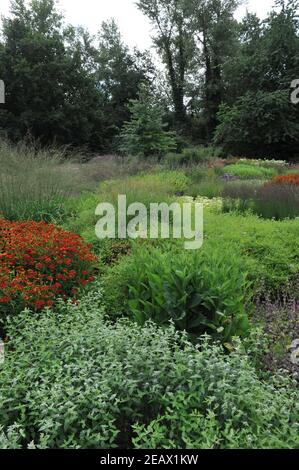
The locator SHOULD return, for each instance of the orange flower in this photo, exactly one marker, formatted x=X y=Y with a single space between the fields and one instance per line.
x=291 y=178
x=33 y=256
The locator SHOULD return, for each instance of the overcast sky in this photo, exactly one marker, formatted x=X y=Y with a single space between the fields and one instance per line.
x=134 y=26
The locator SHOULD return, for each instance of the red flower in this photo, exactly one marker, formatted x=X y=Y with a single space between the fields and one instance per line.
x=40 y=304
x=292 y=178
x=33 y=255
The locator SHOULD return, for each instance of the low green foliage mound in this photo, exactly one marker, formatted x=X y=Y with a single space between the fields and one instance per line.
x=269 y=249
x=247 y=172
x=71 y=380
x=239 y=412
x=200 y=292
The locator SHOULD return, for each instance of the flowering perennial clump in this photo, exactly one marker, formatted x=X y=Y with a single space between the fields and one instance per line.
x=291 y=178
x=40 y=262
x=263 y=162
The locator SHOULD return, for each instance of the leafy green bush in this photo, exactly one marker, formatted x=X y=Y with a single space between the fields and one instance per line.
x=202 y=292
x=11 y=438
x=248 y=172
x=97 y=386
x=73 y=393
x=260 y=122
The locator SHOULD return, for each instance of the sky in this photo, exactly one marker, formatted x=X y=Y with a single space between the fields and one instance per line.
x=135 y=28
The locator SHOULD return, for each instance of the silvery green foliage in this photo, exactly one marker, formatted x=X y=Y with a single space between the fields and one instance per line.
x=10 y=439
x=231 y=407
x=73 y=380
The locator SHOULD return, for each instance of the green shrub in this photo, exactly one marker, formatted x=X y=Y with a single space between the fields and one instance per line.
x=11 y=438
x=259 y=122
x=248 y=172
x=71 y=380
x=72 y=395
x=200 y=292
x=196 y=173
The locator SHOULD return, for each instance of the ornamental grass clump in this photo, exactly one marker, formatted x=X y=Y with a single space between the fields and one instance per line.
x=35 y=183
x=38 y=264
x=277 y=199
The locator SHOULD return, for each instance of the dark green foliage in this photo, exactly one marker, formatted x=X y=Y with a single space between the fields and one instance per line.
x=145 y=134
x=49 y=91
x=175 y=43
x=119 y=74
x=59 y=86
x=192 y=156
x=64 y=86
x=258 y=117
x=200 y=292
x=260 y=123
x=217 y=33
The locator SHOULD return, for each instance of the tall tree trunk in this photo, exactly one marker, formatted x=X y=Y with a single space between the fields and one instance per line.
x=177 y=87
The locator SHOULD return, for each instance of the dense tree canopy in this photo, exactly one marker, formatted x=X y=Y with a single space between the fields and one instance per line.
x=224 y=80
x=257 y=115
x=61 y=86
x=49 y=92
